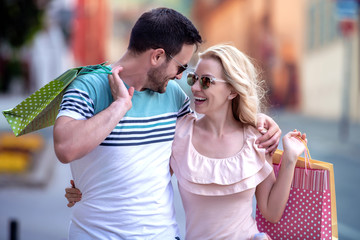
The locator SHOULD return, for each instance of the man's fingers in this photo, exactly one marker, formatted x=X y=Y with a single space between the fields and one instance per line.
x=274 y=129
x=271 y=150
x=260 y=122
x=117 y=69
x=131 y=91
x=263 y=138
x=269 y=138
x=271 y=143
x=115 y=73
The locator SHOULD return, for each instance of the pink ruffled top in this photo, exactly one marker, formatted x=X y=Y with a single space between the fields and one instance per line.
x=217 y=194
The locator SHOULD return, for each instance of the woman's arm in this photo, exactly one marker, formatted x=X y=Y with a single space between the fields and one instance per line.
x=273 y=193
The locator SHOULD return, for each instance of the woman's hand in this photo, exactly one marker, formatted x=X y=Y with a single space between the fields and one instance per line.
x=294 y=144
x=73 y=195
x=273 y=193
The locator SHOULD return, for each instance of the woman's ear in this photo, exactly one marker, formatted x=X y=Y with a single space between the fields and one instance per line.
x=157 y=56
x=232 y=95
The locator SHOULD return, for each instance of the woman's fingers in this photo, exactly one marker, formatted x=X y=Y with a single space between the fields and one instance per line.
x=72 y=194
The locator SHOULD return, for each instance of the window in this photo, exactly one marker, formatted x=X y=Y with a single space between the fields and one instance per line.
x=322 y=26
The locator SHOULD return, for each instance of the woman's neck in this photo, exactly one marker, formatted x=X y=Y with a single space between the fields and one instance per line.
x=219 y=124
x=222 y=134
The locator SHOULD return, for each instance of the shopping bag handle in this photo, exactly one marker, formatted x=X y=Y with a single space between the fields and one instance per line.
x=100 y=68
x=306 y=153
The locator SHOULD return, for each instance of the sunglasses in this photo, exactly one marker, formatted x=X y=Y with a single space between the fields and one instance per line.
x=205 y=81
x=181 y=68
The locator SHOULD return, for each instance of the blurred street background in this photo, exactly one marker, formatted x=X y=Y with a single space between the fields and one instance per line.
x=308 y=52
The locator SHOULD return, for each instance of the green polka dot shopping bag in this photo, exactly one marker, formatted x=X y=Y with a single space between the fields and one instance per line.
x=40 y=109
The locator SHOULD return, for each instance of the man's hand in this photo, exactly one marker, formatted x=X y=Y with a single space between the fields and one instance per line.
x=118 y=88
x=74 y=138
x=271 y=133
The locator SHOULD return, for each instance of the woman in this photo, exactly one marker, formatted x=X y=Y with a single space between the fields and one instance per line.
x=218 y=174
x=215 y=159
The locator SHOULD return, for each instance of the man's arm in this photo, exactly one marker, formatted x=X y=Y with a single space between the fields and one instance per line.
x=74 y=139
x=271 y=133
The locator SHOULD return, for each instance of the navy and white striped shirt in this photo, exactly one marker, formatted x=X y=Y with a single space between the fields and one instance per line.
x=125 y=181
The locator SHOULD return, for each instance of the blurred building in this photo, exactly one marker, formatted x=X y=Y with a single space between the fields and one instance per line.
x=123 y=16
x=90 y=31
x=298 y=46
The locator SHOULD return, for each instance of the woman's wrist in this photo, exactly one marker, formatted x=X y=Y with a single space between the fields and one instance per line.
x=289 y=158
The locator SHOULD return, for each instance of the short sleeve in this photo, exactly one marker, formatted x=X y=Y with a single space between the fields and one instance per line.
x=179 y=97
x=87 y=95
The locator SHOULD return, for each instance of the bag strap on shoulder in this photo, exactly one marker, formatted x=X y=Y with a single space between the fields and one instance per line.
x=99 y=69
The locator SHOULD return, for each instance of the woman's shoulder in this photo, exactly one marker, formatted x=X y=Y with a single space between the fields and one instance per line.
x=251 y=131
x=185 y=121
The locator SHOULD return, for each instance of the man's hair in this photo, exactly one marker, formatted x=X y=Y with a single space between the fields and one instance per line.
x=163 y=28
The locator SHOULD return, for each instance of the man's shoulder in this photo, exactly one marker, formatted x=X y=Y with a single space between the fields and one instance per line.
x=93 y=88
x=174 y=89
x=91 y=79
x=174 y=86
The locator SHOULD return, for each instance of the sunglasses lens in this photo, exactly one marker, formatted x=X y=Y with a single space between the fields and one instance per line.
x=205 y=82
x=181 y=69
x=191 y=79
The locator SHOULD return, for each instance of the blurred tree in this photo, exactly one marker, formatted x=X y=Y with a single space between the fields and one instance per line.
x=19 y=22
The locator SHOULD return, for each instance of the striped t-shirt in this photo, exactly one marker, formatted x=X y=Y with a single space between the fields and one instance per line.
x=125 y=181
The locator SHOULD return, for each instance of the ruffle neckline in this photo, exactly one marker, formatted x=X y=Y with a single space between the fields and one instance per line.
x=217 y=176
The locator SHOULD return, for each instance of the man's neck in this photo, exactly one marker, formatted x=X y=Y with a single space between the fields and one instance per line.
x=134 y=71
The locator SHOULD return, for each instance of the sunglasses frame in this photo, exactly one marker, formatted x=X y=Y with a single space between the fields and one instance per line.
x=204 y=86
x=181 y=68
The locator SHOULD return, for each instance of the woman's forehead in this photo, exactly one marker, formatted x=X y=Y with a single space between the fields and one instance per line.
x=208 y=66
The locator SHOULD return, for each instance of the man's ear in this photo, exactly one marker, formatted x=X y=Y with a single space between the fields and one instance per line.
x=157 y=56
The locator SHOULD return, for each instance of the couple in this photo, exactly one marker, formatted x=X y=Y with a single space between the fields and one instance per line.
x=118 y=132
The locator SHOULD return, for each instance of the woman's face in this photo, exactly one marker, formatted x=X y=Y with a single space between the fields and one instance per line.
x=215 y=97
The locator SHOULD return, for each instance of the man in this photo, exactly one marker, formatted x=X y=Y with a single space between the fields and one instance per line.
x=118 y=139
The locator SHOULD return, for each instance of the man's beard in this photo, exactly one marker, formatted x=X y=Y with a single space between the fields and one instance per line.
x=157 y=79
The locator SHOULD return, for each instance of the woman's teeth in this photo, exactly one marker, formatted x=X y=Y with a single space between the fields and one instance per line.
x=199 y=99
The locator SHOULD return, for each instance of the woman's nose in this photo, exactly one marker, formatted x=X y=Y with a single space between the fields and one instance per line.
x=196 y=86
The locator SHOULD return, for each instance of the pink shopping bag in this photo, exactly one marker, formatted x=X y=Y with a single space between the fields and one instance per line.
x=310 y=212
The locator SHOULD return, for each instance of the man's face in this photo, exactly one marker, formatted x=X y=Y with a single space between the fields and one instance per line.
x=159 y=77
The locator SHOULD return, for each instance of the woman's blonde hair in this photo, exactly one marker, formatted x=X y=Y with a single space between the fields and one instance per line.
x=242 y=75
